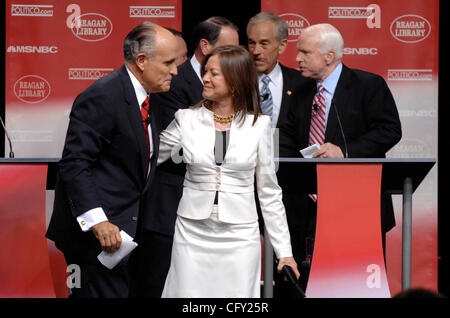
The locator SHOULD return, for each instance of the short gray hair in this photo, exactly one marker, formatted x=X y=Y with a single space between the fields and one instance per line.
x=142 y=39
x=282 y=29
x=330 y=39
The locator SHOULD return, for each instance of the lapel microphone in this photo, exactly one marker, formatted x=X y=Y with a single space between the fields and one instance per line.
x=11 y=153
x=265 y=96
x=333 y=105
x=315 y=107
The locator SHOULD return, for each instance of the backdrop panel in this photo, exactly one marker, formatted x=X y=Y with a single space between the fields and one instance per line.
x=54 y=50
x=399 y=41
x=57 y=48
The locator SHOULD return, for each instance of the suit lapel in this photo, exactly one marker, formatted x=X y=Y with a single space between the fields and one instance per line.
x=192 y=80
x=156 y=129
x=134 y=117
x=340 y=99
x=286 y=96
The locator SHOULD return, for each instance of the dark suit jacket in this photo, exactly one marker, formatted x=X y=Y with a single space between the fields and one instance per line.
x=292 y=80
x=165 y=194
x=368 y=115
x=103 y=164
x=185 y=91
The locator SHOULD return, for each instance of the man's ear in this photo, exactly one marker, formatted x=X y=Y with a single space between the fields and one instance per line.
x=140 y=60
x=204 y=46
x=329 y=57
x=283 y=45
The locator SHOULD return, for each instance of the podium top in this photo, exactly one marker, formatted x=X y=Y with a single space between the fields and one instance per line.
x=50 y=162
x=395 y=171
x=300 y=173
x=29 y=160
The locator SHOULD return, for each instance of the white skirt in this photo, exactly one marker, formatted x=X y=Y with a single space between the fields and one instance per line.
x=212 y=259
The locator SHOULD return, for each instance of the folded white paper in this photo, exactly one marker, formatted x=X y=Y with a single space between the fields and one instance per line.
x=110 y=260
x=309 y=151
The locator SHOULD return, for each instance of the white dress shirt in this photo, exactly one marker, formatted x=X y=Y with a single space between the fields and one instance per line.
x=94 y=216
x=197 y=67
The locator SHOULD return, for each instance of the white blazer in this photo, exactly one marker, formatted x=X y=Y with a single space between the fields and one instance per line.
x=249 y=153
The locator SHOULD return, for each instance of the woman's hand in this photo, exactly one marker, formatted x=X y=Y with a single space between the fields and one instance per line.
x=289 y=261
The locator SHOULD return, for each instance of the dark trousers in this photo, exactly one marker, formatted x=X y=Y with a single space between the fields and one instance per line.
x=301 y=217
x=97 y=281
x=150 y=264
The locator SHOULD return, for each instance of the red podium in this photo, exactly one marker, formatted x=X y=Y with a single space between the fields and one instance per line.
x=348 y=256
x=30 y=266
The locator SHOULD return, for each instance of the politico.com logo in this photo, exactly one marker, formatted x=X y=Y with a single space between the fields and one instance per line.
x=371 y=13
x=31 y=10
x=152 y=12
x=88 y=73
x=410 y=75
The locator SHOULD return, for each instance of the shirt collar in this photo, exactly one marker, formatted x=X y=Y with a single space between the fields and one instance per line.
x=274 y=75
x=197 y=67
x=331 y=81
x=141 y=94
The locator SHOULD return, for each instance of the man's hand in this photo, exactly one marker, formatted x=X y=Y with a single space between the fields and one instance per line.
x=108 y=235
x=328 y=150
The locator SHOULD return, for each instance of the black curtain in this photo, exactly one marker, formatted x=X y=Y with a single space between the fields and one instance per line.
x=237 y=11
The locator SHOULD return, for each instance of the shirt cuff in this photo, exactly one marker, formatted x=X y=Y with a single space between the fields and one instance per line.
x=285 y=252
x=90 y=218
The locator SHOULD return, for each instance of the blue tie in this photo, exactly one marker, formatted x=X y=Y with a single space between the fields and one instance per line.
x=266 y=97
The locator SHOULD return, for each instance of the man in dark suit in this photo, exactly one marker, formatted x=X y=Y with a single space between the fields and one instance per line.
x=361 y=101
x=187 y=87
x=153 y=257
x=268 y=38
x=108 y=161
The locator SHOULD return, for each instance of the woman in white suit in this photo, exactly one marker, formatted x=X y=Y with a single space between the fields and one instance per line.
x=226 y=142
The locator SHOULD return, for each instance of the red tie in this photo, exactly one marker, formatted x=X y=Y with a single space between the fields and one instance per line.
x=318 y=123
x=145 y=120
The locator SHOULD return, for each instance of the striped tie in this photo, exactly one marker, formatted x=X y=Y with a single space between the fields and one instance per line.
x=318 y=123
x=266 y=97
